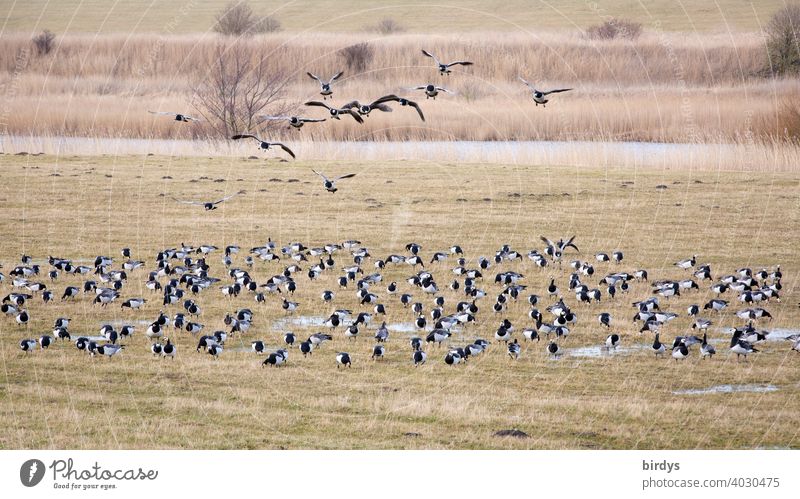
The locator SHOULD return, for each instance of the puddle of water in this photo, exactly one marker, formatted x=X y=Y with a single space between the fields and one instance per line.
x=781 y=334
x=728 y=389
x=598 y=351
x=307 y=321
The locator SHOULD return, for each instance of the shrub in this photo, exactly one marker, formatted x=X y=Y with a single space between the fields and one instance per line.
x=783 y=40
x=44 y=42
x=357 y=57
x=615 y=28
x=238 y=19
x=387 y=26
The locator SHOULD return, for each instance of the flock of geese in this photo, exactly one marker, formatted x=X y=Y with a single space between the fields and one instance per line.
x=358 y=110
x=446 y=301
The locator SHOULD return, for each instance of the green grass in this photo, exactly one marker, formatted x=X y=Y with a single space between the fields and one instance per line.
x=82 y=207
x=93 y=16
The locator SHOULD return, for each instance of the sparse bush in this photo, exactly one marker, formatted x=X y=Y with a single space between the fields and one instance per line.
x=387 y=26
x=357 y=57
x=783 y=40
x=238 y=19
x=615 y=28
x=44 y=42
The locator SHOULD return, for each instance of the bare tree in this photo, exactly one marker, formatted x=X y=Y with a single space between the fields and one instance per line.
x=387 y=26
x=357 y=57
x=238 y=19
x=44 y=42
x=615 y=28
x=238 y=86
x=783 y=40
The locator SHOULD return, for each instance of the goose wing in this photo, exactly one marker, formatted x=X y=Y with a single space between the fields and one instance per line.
x=570 y=244
x=321 y=175
x=431 y=56
x=557 y=91
x=311 y=120
x=349 y=175
x=354 y=115
x=394 y=98
x=317 y=103
x=336 y=77
x=164 y=113
x=245 y=136
x=416 y=106
x=274 y=118
x=527 y=83
x=227 y=198
x=547 y=241
x=461 y=63
x=283 y=146
x=314 y=77
x=352 y=104
x=196 y=203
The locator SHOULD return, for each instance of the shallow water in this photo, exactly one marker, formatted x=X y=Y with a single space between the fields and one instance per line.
x=728 y=389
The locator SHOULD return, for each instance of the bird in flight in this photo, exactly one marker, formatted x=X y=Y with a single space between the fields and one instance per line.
x=336 y=112
x=209 y=205
x=325 y=86
x=444 y=68
x=539 y=95
x=295 y=122
x=263 y=143
x=403 y=102
x=330 y=184
x=178 y=116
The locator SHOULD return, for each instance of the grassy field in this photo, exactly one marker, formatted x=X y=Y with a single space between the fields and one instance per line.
x=187 y=16
x=81 y=207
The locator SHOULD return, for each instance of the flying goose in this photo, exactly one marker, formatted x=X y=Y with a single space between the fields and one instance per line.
x=208 y=205
x=403 y=102
x=178 y=116
x=325 y=86
x=365 y=109
x=330 y=184
x=295 y=122
x=444 y=68
x=539 y=95
x=336 y=112
x=263 y=143
x=431 y=90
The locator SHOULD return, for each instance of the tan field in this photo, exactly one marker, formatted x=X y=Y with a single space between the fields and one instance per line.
x=80 y=207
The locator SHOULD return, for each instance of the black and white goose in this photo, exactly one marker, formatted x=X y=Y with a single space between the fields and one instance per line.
x=27 y=345
x=215 y=350
x=658 y=347
x=330 y=183
x=109 y=350
x=604 y=319
x=741 y=347
x=343 y=359
x=257 y=346
x=207 y=205
x=687 y=263
x=134 y=303
x=365 y=109
x=553 y=349
x=378 y=351
x=325 y=85
x=706 y=350
x=295 y=122
x=263 y=144
x=156 y=349
x=716 y=305
x=431 y=90
x=514 y=349
x=276 y=358
x=289 y=338
x=382 y=334
x=185 y=118
x=419 y=357
x=540 y=96
x=444 y=67
x=400 y=100
x=680 y=351
x=612 y=341
x=335 y=112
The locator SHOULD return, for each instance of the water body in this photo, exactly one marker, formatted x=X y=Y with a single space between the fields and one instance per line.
x=728 y=389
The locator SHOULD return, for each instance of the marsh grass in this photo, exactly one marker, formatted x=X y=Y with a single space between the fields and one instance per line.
x=80 y=207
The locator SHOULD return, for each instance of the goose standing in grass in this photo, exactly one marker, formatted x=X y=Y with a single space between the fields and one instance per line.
x=540 y=96
x=276 y=358
x=208 y=205
x=612 y=341
x=156 y=349
x=336 y=112
x=707 y=350
x=604 y=319
x=686 y=264
x=514 y=349
x=378 y=351
x=431 y=91
x=795 y=339
x=741 y=347
x=330 y=184
x=185 y=118
x=680 y=351
x=419 y=357
x=27 y=345
x=343 y=359
x=658 y=347
x=257 y=346
x=295 y=122
x=109 y=350
x=215 y=350
x=263 y=144
x=23 y=317
x=444 y=67
x=553 y=349
x=325 y=85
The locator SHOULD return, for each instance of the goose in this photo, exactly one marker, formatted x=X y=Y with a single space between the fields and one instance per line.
x=382 y=334
x=215 y=350
x=612 y=341
x=687 y=263
x=716 y=305
x=437 y=336
x=263 y=144
x=27 y=345
x=205 y=342
x=693 y=310
x=514 y=349
x=680 y=351
x=706 y=350
x=378 y=352
x=452 y=358
x=23 y=317
x=276 y=358
x=194 y=327
x=530 y=334
x=154 y=331
x=336 y=113
x=473 y=350
x=156 y=349
x=295 y=122
x=701 y=324
x=257 y=346
x=343 y=359
x=741 y=347
x=402 y=101
x=330 y=184
x=617 y=256
x=795 y=339
x=306 y=347
x=444 y=68
x=47 y=296
x=70 y=292
x=419 y=357
x=289 y=306
x=318 y=339
x=539 y=96
x=553 y=349
x=207 y=205
x=185 y=118
x=289 y=338
x=365 y=109
x=604 y=319
x=325 y=85
x=133 y=303
x=658 y=347
x=431 y=90
x=109 y=350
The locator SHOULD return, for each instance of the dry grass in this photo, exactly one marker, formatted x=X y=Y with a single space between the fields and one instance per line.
x=666 y=88
x=351 y=15
x=80 y=207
